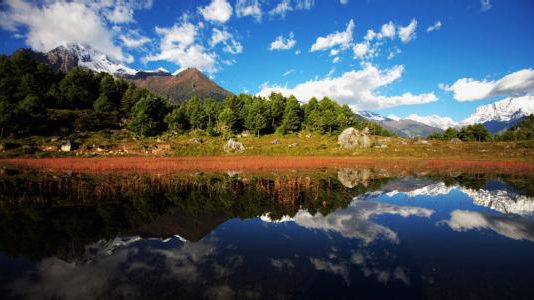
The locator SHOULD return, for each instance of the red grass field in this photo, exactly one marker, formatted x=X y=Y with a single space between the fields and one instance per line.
x=259 y=163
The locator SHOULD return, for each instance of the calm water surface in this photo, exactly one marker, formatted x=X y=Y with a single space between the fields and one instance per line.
x=349 y=233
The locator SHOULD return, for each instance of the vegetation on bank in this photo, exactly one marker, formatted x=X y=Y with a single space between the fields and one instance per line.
x=34 y=100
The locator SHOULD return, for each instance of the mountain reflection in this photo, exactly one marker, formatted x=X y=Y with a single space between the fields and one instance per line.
x=328 y=233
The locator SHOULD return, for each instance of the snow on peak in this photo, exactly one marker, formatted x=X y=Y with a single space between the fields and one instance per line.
x=97 y=61
x=502 y=111
x=434 y=121
x=369 y=115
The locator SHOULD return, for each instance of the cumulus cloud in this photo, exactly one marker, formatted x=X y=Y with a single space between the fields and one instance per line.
x=342 y=39
x=388 y=30
x=434 y=121
x=512 y=227
x=356 y=88
x=60 y=23
x=230 y=44
x=515 y=84
x=217 y=11
x=360 y=50
x=248 y=8
x=407 y=33
x=178 y=45
x=436 y=26
x=281 y=43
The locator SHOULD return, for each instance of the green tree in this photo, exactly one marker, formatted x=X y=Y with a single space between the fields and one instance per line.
x=177 y=120
x=255 y=119
x=293 y=116
x=31 y=115
x=277 y=105
x=79 y=89
x=148 y=115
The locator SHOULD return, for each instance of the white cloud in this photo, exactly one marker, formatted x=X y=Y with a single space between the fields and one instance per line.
x=304 y=4
x=360 y=50
x=217 y=11
x=515 y=84
x=512 y=227
x=178 y=45
x=388 y=30
x=434 y=121
x=297 y=52
x=59 y=23
x=223 y=36
x=356 y=88
x=485 y=5
x=370 y=35
x=407 y=33
x=335 y=60
x=134 y=40
x=394 y=117
x=281 y=43
x=282 y=8
x=436 y=26
x=394 y=52
x=245 y=8
x=342 y=39
x=340 y=269
x=344 y=2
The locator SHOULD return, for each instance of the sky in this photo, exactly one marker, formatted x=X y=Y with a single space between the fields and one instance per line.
x=400 y=58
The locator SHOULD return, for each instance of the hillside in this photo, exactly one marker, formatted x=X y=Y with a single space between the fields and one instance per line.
x=179 y=88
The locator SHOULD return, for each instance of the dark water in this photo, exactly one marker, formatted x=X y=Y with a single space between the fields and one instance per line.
x=327 y=234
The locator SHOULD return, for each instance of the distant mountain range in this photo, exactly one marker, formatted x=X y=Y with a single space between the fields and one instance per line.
x=401 y=127
x=496 y=117
x=183 y=84
x=177 y=88
x=502 y=114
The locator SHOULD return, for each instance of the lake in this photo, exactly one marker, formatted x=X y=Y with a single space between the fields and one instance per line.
x=325 y=233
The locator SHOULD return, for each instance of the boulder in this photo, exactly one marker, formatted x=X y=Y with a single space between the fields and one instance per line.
x=350 y=178
x=353 y=138
x=455 y=141
x=67 y=147
x=234 y=146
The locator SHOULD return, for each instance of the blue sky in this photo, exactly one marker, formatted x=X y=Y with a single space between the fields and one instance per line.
x=404 y=68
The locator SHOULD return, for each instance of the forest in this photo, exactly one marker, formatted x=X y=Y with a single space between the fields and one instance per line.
x=35 y=100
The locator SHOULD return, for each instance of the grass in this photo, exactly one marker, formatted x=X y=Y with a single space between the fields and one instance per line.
x=119 y=142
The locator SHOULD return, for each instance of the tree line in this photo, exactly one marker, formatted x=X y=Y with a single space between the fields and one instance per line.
x=34 y=99
x=475 y=132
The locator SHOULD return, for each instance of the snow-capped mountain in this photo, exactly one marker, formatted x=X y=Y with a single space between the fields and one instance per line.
x=401 y=127
x=434 y=121
x=502 y=114
x=68 y=56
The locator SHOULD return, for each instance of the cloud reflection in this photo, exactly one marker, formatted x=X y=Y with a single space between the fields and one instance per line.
x=510 y=226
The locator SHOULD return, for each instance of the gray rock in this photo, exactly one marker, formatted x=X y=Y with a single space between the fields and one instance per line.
x=234 y=146
x=353 y=138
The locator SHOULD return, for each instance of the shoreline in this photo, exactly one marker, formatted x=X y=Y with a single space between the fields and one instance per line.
x=144 y=164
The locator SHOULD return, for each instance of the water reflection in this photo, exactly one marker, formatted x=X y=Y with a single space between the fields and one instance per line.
x=336 y=234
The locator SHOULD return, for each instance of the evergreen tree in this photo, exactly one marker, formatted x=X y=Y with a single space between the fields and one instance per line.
x=177 y=120
x=255 y=119
x=293 y=116
x=148 y=115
